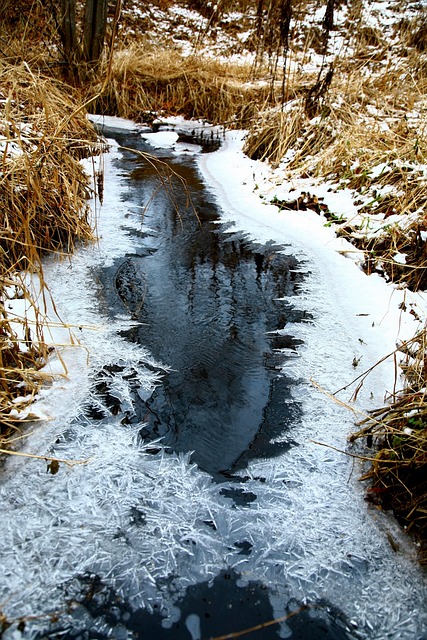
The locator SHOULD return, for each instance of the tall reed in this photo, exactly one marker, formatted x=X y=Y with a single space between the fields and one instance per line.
x=43 y=199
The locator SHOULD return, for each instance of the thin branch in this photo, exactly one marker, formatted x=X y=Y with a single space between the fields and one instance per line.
x=70 y=463
x=258 y=627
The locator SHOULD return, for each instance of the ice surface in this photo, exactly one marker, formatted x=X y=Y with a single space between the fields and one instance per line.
x=135 y=517
x=113 y=123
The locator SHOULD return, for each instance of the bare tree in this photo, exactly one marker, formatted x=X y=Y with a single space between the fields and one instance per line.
x=82 y=43
x=67 y=28
x=94 y=27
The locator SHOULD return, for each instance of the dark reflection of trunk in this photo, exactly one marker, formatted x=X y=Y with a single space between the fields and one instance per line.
x=206 y=299
x=209 y=610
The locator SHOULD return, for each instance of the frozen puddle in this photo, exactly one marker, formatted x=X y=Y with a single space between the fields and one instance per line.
x=144 y=541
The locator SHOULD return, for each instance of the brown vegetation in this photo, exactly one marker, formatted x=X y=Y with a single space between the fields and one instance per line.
x=146 y=81
x=43 y=195
x=398 y=434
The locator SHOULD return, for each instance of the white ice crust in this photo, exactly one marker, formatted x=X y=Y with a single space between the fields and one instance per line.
x=161 y=139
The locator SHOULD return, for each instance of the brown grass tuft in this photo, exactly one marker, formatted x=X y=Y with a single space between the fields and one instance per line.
x=398 y=431
x=144 y=81
x=275 y=133
x=43 y=196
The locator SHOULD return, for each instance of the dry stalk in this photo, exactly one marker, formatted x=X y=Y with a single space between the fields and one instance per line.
x=398 y=432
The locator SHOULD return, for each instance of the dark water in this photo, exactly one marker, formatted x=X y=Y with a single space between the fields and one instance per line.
x=210 y=308
x=213 y=610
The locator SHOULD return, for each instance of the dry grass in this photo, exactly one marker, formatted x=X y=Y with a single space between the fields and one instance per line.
x=43 y=196
x=146 y=82
x=278 y=132
x=378 y=153
x=44 y=137
x=398 y=431
x=22 y=354
x=27 y=31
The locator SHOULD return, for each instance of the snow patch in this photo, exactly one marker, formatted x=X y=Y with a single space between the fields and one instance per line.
x=161 y=139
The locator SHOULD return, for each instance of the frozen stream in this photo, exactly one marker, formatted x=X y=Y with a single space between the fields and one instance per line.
x=205 y=508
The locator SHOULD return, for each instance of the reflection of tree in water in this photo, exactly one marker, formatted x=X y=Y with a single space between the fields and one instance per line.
x=211 y=298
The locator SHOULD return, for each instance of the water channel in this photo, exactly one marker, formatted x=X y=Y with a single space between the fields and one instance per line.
x=211 y=307
x=203 y=514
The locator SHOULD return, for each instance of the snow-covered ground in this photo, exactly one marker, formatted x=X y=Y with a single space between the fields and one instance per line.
x=312 y=533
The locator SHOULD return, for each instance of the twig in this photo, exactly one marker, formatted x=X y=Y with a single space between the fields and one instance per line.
x=389 y=355
x=237 y=634
x=352 y=455
x=70 y=463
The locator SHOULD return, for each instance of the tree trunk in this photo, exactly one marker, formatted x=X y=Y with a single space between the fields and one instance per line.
x=94 y=27
x=68 y=31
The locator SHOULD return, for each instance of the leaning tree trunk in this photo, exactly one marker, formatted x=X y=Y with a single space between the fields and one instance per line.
x=94 y=27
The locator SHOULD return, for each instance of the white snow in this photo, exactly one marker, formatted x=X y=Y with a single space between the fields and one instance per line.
x=310 y=527
x=400 y=258
x=161 y=138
